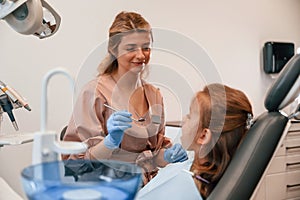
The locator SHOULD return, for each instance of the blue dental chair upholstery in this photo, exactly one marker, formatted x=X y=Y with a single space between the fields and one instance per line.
x=252 y=158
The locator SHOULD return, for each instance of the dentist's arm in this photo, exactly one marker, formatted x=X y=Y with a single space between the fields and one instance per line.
x=117 y=123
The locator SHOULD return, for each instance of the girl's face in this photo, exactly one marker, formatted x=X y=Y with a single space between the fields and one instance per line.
x=134 y=52
x=190 y=126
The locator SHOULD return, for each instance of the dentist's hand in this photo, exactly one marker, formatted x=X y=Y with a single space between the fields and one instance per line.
x=175 y=154
x=116 y=124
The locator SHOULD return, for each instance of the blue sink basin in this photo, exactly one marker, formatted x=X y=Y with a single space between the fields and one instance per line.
x=82 y=180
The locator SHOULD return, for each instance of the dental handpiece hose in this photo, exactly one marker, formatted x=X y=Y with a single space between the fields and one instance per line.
x=14 y=95
x=7 y=107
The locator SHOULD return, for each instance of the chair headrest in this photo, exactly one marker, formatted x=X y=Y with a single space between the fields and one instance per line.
x=286 y=88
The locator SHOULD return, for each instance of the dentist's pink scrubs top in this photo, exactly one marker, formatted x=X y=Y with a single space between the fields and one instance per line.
x=141 y=143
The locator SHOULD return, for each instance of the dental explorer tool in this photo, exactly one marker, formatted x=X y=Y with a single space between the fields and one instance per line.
x=114 y=109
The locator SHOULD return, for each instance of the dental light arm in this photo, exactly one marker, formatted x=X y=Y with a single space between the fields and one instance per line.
x=30 y=17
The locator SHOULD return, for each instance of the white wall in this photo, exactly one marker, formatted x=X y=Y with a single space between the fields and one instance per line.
x=232 y=33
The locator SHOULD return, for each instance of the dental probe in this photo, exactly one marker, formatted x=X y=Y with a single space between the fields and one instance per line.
x=114 y=109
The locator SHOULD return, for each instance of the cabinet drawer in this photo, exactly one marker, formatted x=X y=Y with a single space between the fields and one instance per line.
x=289 y=147
x=283 y=185
x=293 y=135
x=284 y=164
x=295 y=126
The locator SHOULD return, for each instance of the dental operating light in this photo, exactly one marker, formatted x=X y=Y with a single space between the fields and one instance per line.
x=30 y=17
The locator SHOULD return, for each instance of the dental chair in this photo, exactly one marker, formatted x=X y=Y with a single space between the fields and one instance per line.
x=254 y=154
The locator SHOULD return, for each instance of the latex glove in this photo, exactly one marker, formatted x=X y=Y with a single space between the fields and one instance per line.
x=116 y=124
x=175 y=154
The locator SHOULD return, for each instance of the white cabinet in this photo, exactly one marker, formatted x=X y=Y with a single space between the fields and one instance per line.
x=282 y=178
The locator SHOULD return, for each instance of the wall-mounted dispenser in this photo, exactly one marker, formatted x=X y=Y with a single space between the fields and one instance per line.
x=276 y=55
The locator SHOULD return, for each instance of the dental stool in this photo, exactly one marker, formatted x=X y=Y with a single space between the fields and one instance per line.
x=263 y=138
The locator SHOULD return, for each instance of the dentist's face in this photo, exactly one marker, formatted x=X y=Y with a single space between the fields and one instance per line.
x=134 y=51
x=190 y=127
